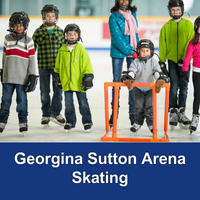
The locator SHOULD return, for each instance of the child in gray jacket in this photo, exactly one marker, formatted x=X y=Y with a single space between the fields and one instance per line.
x=144 y=69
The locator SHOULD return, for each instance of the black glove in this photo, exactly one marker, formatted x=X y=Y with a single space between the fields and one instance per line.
x=180 y=65
x=56 y=80
x=87 y=82
x=1 y=74
x=163 y=68
x=184 y=78
x=31 y=83
x=127 y=75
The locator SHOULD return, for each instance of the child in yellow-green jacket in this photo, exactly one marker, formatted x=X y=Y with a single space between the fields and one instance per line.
x=174 y=38
x=73 y=73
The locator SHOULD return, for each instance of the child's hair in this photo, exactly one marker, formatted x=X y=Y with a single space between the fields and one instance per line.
x=116 y=7
x=195 y=40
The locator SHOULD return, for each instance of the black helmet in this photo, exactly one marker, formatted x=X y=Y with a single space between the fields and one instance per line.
x=175 y=3
x=145 y=43
x=72 y=27
x=121 y=6
x=49 y=8
x=19 y=18
x=196 y=24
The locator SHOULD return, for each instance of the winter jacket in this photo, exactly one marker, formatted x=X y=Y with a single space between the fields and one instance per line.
x=120 y=43
x=144 y=71
x=72 y=66
x=48 y=46
x=174 y=39
x=18 y=60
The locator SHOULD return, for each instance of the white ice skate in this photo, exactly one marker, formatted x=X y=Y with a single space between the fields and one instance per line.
x=58 y=120
x=2 y=127
x=194 y=123
x=173 y=118
x=45 y=121
x=135 y=128
x=184 y=122
x=23 y=128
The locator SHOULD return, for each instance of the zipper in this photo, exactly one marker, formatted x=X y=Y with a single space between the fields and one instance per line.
x=70 y=67
x=177 y=42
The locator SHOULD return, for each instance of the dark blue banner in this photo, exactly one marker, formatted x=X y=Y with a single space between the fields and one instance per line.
x=99 y=171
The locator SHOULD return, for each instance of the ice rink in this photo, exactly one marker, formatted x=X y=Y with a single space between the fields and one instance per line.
x=101 y=62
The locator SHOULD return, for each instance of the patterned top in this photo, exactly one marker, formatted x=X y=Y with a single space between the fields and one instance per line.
x=18 y=60
x=195 y=52
x=48 y=46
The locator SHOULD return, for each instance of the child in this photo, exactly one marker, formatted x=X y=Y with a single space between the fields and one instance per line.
x=74 y=73
x=49 y=38
x=193 y=50
x=18 y=70
x=144 y=69
x=174 y=38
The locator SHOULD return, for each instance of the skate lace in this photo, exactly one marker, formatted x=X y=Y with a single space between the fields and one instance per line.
x=21 y=125
x=183 y=117
x=59 y=117
x=173 y=117
x=195 y=121
x=45 y=118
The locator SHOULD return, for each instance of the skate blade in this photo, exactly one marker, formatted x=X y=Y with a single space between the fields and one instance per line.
x=88 y=130
x=56 y=122
x=182 y=126
x=172 y=127
x=69 y=131
x=46 y=126
x=133 y=133
x=24 y=133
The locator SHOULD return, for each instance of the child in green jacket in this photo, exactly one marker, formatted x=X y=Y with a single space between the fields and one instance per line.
x=174 y=38
x=74 y=73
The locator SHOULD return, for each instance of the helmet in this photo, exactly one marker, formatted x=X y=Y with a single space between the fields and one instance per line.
x=145 y=43
x=19 y=18
x=72 y=27
x=175 y=3
x=50 y=8
x=196 y=24
x=121 y=6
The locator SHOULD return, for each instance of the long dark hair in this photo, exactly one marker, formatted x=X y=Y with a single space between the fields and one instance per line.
x=195 y=39
x=116 y=8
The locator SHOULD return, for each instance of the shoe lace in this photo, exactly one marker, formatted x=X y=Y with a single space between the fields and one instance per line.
x=45 y=118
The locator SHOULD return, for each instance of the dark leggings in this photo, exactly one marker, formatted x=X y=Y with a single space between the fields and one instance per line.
x=196 y=83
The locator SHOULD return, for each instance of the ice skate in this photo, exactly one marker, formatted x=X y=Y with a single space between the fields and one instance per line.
x=2 y=127
x=45 y=121
x=58 y=120
x=184 y=122
x=150 y=128
x=88 y=127
x=132 y=118
x=194 y=124
x=23 y=128
x=68 y=128
x=135 y=128
x=173 y=118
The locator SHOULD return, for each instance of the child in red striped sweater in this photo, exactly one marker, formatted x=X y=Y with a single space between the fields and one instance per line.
x=193 y=50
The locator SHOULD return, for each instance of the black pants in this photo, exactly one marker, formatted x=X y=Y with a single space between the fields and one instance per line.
x=196 y=83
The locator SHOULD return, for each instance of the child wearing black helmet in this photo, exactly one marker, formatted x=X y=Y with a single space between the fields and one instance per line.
x=193 y=50
x=174 y=38
x=18 y=70
x=48 y=39
x=144 y=69
x=74 y=74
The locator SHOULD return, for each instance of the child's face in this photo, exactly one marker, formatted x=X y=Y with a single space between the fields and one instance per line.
x=50 y=17
x=72 y=35
x=176 y=11
x=124 y=2
x=144 y=52
x=19 y=29
x=198 y=30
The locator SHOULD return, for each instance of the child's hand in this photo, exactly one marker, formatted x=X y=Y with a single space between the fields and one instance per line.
x=129 y=84
x=159 y=84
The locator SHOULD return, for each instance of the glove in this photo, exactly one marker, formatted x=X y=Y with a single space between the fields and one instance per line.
x=159 y=84
x=127 y=75
x=56 y=80
x=31 y=83
x=129 y=84
x=1 y=74
x=180 y=65
x=184 y=78
x=163 y=68
x=87 y=82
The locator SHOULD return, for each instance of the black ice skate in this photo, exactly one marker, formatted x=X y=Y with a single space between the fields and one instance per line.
x=45 y=121
x=173 y=118
x=68 y=128
x=194 y=124
x=132 y=118
x=111 y=119
x=23 y=128
x=2 y=127
x=88 y=127
x=58 y=120
x=184 y=122
x=135 y=128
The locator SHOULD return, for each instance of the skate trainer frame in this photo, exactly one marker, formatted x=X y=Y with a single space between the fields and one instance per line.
x=114 y=137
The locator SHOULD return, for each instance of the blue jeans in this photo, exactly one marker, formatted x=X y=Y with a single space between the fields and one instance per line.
x=176 y=99
x=6 y=100
x=84 y=108
x=117 y=71
x=49 y=108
